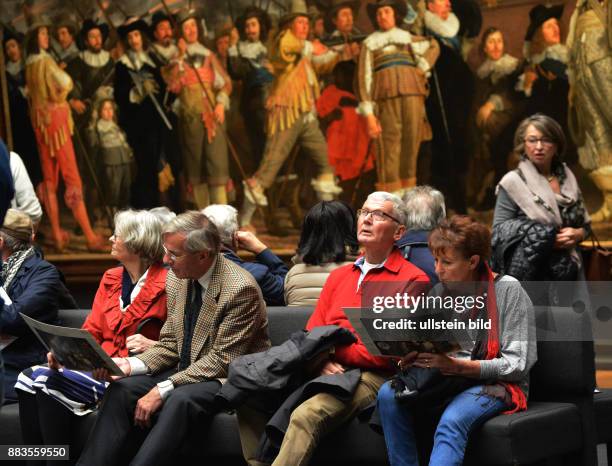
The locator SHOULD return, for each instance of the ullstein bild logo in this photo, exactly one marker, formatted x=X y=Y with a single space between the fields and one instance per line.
x=450 y=313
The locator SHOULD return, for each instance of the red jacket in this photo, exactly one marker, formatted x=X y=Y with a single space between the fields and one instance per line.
x=347 y=138
x=111 y=327
x=340 y=290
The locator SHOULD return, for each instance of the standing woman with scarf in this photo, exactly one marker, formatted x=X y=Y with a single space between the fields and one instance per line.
x=540 y=217
x=500 y=357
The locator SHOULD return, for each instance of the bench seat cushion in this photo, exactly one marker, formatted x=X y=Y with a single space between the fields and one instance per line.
x=603 y=415
x=545 y=429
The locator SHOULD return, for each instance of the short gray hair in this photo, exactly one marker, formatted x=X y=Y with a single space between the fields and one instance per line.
x=140 y=230
x=163 y=214
x=399 y=211
x=425 y=208
x=14 y=244
x=200 y=232
x=225 y=218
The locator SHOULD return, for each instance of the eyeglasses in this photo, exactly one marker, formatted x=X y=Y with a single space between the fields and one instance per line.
x=546 y=142
x=377 y=215
x=173 y=257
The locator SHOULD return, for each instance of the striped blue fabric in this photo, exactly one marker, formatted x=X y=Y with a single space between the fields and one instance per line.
x=77 y=391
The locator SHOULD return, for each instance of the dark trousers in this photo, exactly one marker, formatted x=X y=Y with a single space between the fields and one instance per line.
x=45 y=421
x=114 y=438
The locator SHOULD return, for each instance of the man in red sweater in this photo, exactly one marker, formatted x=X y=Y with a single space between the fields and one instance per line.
x=381 y=267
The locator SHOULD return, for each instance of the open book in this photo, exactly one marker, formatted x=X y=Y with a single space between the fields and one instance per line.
x=398 y=342
x=74 y=348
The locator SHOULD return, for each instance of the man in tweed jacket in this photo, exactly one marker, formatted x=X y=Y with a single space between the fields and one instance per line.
x=215 y=313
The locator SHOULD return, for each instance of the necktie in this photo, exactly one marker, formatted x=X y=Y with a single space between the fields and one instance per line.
x=192 y=311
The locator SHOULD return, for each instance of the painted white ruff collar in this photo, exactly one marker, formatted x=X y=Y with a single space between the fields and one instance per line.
x=95 y=60
x=105 y=125
x=168 y=53
x=558 y=52
x=380 y=39
x=140 y=59
x=252 y=50
x=499 y=68
x=14 y=67
x=448 y=28
x=196 y=49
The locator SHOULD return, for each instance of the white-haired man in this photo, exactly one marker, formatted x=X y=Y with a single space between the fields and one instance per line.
x=215 y=314
x=381 y=269
x=425 y=209
x=268 y=269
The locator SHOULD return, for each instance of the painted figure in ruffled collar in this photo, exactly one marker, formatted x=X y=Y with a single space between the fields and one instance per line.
x=24 y=142
x=248 y=62
x=163 y=48
x=203 y=88
x=65 y=30
x=442 y=23
x=48 y=85
x=451 y=98
x=340 y=22
x=392 y=78
x=497 y=108
x=89 y=70
x=137 y=81
x=543 y=48
x=545 y=79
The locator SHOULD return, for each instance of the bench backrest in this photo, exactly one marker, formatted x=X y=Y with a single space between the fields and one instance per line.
x=72 y=317
x=566 y=355
x=566 y=366
x=283 y=321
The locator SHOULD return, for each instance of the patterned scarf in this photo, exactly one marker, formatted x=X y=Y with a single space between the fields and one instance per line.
x=12 y=266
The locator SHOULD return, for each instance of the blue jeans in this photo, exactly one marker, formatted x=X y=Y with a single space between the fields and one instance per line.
x=467 y=411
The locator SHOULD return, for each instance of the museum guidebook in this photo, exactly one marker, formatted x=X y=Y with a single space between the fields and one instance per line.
x=422 y=337
x=74 y=348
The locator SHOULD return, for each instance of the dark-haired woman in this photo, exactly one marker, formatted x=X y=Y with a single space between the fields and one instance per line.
x=500 y=358
x=328 y=240
x=540 y=217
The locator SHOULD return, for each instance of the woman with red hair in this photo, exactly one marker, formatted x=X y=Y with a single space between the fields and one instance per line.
x=499 y=357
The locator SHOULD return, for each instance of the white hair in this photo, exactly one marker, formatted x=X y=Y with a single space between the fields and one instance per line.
x=425 y=208
x=225 y=218
x=163 y=214
x=399 y=211
x=140 y=230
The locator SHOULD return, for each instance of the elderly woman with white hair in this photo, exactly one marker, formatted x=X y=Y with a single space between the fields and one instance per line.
x=127 y=314
x=268 y=269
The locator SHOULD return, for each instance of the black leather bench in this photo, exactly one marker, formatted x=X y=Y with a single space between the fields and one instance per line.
x=552 y=427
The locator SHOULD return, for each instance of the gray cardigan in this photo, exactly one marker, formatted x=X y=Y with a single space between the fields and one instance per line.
x=517 y=336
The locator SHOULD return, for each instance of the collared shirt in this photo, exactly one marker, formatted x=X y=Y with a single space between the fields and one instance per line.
x=395 y=275
x=137 y=367
x=139 y=284
x=365 y=267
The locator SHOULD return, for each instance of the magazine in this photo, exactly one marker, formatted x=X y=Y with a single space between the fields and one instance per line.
x=74 y=348
x=398 y=343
